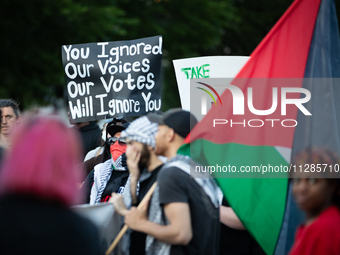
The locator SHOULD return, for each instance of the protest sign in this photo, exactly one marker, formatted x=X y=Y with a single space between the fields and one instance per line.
x=204 y=67
x=105 y=218
x=113 y=79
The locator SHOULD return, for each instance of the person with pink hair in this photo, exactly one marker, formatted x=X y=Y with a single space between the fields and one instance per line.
x=39 y=180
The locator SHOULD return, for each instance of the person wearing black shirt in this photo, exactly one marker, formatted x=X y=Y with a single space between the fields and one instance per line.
x=187 y=220
x=90 y=134
x=143 y=165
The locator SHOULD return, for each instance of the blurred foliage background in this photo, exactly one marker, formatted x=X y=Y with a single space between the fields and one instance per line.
x=32 y=33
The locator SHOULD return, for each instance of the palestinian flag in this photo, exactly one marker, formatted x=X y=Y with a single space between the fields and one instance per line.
x=301 y=44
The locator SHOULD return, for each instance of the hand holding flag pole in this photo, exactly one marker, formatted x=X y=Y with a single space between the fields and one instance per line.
x=125 y=228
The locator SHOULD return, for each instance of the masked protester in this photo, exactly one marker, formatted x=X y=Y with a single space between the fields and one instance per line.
x=103 y=154
x=111 y=174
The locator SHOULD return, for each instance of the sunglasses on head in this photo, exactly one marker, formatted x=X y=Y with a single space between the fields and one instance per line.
x=121 y=141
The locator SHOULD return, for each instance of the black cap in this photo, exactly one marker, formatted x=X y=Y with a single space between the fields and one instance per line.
x=112 y=129
x=182 y=122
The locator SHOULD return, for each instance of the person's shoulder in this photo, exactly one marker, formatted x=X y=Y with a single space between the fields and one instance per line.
x=93 y=153
x=94 y=124
x=91 y=127
x=103 y=165
x=328 y=219
x=172 y=177
x=172 y=172
x=326 y=227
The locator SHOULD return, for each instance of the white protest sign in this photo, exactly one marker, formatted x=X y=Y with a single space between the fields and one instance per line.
x=204 y=67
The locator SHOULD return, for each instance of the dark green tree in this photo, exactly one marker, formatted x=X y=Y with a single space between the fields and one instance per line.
x=32 y=35
x=34 y=31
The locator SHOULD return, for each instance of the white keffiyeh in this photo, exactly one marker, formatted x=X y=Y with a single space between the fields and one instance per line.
x=154 y=246
x=102 y=174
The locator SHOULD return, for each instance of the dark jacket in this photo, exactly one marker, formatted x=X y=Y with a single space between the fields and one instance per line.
x=32 y=225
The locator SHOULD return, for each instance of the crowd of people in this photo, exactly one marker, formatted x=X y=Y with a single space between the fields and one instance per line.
x=43 y=173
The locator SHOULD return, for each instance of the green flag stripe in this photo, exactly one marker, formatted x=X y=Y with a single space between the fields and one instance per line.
x=258 y=202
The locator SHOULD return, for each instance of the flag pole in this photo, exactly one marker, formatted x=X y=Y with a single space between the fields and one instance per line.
x=125 y=228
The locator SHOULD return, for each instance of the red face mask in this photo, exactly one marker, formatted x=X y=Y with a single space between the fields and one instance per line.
x=116 y=150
